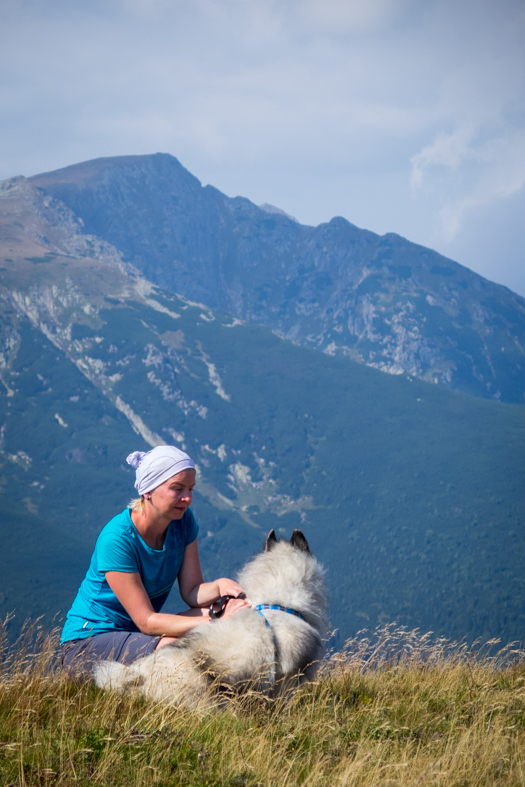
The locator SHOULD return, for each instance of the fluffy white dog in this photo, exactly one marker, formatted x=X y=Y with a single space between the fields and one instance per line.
x=275 y=644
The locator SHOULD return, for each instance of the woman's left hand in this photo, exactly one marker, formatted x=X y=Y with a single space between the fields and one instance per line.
x=227 y=587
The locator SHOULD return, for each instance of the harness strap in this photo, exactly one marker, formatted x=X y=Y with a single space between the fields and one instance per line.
x=275 y=645
x=259 y=607
x=263 y=617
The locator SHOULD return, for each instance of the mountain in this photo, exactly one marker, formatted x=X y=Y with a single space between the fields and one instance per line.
x=378 y=300
x=410 y=494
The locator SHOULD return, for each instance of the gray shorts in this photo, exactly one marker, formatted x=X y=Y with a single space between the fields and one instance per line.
x=79 y=656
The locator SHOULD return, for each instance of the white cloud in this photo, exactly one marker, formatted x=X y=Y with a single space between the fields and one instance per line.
x=447 y=150
x=480 y=173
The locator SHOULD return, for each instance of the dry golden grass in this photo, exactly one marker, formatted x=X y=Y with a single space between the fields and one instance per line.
x=399 y=710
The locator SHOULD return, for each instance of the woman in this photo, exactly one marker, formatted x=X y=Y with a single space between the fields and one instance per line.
x=137 y=558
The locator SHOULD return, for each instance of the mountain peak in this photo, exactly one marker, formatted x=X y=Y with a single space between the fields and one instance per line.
x=159 y=163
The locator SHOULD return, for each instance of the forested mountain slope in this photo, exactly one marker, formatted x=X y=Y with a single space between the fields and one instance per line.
x=411 y=495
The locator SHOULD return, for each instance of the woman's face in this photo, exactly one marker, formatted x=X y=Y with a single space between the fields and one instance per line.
x=173 y=498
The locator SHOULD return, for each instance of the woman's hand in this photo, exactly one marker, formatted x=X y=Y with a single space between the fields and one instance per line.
x=233 y=605
x=227 y=587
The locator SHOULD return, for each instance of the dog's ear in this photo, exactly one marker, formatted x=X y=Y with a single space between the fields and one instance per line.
x=271 y=540
x=299 y=541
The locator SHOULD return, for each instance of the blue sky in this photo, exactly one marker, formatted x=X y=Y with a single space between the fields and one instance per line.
x=403 y=116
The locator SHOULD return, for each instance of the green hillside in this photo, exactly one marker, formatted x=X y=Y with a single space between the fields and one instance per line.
x=410 y=494
x=61 y=481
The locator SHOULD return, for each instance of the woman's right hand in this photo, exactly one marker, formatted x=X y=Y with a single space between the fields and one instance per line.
x=234 y=605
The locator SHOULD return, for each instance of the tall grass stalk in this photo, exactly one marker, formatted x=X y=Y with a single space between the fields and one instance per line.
x=396 y=708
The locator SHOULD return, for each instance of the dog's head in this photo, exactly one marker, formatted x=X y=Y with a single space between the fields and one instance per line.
x=286 y=573
x=297 y=540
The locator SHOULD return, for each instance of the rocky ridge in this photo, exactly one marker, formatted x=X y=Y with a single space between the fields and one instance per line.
x=378 y=300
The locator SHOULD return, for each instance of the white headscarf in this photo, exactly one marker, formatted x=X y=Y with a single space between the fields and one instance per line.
x=156 y=466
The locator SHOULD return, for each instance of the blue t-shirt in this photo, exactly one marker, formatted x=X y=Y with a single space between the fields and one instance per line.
x=119 y=547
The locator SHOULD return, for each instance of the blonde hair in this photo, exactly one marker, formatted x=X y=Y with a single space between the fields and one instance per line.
x=138 y=504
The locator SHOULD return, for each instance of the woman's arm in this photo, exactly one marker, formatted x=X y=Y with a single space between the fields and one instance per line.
x=192 y=587
x=131 y=593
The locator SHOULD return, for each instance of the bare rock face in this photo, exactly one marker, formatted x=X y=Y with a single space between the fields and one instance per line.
x=379 y=300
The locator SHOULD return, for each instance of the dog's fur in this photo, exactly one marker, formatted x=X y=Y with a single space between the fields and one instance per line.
x=243 y=651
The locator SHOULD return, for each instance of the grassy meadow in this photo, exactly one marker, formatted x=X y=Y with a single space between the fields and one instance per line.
x=394 y=709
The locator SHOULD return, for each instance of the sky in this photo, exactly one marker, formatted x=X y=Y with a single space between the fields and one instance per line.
x=403 y=116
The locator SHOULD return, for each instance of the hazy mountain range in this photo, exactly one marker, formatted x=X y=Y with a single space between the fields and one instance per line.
x=130 y=297
x=379 y=300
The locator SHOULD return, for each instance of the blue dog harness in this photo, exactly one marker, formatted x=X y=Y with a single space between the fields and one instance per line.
x=260 y=607
x=223 y=600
